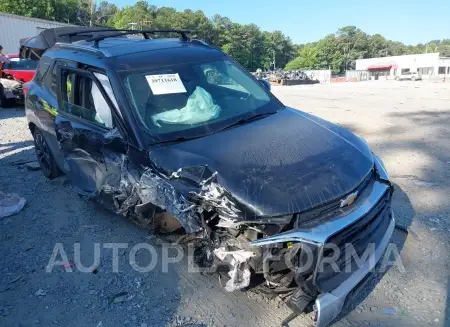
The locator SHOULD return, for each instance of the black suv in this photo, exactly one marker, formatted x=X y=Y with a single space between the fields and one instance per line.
x=177 y=136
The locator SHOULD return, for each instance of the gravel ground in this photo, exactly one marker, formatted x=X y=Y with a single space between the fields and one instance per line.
x=407 y=124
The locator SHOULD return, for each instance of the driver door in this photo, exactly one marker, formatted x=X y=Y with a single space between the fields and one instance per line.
x=88 y=131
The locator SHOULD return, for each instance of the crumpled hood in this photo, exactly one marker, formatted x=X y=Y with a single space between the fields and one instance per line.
x=286 y=163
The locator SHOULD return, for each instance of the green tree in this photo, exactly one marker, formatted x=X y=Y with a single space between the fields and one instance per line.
x=249 y=45
x=330 y=54
x=307 y=59
x=30 y=8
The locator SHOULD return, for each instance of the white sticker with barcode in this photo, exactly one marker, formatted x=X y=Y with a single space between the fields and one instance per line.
x=165 y=84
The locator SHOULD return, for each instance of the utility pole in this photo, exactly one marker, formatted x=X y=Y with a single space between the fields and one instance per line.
x=92 y=11
x=274 y=60
x=252 y=47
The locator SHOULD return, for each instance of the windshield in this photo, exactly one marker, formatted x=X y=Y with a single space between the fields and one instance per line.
x=195 y=98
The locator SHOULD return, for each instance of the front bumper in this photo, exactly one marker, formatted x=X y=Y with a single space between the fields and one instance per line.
x=333 y=296
x=329 y=305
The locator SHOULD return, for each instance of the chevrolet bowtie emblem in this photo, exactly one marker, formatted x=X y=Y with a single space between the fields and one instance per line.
x=349 y=199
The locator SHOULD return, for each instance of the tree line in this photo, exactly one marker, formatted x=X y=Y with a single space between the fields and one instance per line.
x=247 y=43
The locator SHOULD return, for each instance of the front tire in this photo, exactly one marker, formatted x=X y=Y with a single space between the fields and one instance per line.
x=4 y=102
x=413 y=78
x=44 y=156
x=2 y=97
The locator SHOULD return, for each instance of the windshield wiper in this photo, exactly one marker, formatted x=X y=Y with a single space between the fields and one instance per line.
x=245 y=120
x=177 y=139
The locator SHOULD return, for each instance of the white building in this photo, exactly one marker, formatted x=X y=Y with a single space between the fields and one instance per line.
x=13 y=28
x=430 y=65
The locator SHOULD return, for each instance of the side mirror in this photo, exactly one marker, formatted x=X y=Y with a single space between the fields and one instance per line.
x=265 y=83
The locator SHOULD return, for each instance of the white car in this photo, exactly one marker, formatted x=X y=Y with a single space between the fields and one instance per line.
x=412 y=76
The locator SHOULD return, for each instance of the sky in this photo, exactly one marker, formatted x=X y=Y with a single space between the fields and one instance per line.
x=408 y=21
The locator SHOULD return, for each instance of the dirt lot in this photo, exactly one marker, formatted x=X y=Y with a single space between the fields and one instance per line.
x=406 y=123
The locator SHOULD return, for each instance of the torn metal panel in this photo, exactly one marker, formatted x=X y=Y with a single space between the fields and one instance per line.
x=214 y=196
x=95 y=169
x=160 y=192
x=91 y=159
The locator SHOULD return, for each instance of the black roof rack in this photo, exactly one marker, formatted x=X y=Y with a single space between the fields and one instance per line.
x=96 y=39
x=145 y=33
x=88 y=30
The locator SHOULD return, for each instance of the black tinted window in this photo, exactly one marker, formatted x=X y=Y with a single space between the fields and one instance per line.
x=54 y=78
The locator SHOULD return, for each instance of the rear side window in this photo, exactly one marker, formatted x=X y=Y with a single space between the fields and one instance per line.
x=44 y=65
x=82 y=98
x=54 y=78
x=50 y=79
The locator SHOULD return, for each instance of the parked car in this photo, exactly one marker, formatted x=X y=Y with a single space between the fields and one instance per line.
x=13 y=73
x=412 y=76
x=11 y=92
x=141 y=126
x=21 y=69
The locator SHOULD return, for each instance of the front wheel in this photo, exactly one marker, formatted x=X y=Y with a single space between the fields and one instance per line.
x=2 y=96
x=5 y=102
x=397 y=78
x=44 y=156
x=413 y=78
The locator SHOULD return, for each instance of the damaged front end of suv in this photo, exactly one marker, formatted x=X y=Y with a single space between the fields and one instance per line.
x=294 y=224
x=309 y=258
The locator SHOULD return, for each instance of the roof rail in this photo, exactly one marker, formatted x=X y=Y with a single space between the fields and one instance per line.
x=145 y=33
x=97 y=30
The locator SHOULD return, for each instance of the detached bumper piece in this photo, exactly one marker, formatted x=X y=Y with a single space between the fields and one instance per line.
x=367 y=226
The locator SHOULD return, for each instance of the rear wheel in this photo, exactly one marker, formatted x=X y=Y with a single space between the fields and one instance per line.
x=44 y=156
x=413 y=78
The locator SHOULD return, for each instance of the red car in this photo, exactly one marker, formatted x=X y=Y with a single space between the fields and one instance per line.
x=21 y=69
x=14 y=72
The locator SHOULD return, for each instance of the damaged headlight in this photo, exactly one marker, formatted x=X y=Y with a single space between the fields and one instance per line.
x=260 y=223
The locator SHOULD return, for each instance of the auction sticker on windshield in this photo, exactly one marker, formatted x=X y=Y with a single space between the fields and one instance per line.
x=165 y=84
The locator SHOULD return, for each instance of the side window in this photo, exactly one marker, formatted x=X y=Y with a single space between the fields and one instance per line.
x=52 y=80
x=82 y=98
x=44 y=65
